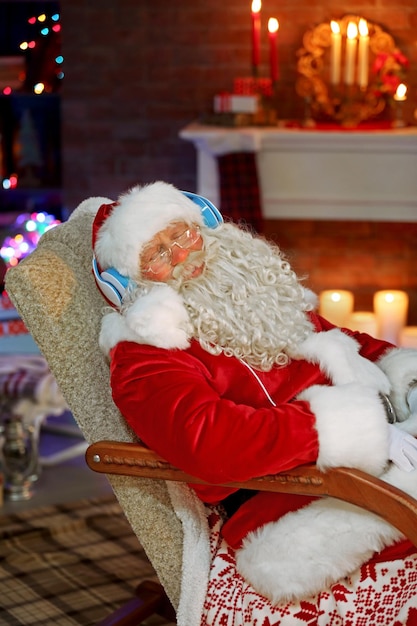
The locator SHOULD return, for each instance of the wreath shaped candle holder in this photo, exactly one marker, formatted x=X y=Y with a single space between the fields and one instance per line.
x=348 y=104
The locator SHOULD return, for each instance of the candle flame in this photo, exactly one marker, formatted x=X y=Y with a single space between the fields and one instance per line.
x=352 y=30
x=363 y=28
x=389 y=297
x=335 y=27
x=336 y=297
x=401 y=90
x=273 y=25
x=256 y=6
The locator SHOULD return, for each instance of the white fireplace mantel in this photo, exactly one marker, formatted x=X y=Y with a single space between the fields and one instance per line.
x=312 y=174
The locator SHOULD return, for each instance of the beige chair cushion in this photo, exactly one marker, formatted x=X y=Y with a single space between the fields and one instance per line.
x=54 y=292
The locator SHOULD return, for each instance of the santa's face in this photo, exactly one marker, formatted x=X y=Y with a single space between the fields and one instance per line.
x=175 y=253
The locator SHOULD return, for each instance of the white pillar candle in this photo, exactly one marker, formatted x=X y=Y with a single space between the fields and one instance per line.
x=408 y=338
x=336 y=306
x=363 y=54
x=401 y=93
x=363 y=322
x=391 y=308
x=335 y=53
x=350 y=59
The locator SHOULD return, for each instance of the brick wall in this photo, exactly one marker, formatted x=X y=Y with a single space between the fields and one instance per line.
x=137 y=72
x=363 y=257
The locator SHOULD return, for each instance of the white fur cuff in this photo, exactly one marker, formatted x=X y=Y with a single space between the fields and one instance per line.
x=337 y=355
x=400 y=365
x=351 y=425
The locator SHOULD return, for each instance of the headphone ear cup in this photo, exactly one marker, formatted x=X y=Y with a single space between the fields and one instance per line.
x=111 y=284
x=210 y=213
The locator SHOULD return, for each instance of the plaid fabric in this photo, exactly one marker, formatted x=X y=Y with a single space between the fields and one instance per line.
x=239 y=188
x=69 y=564
x=20 y=376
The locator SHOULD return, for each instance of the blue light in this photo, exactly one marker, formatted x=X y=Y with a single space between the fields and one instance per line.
x=59 y=59
x=44 y=31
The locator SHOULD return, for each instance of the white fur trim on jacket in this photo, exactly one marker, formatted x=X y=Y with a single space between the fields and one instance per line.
x=350 y=415
x=352 y=426
x=337 y=355
x=309 y=550
x=158 y=318
x=400 y=366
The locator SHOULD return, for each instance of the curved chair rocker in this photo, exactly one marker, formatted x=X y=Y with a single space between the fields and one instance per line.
x=54 y=292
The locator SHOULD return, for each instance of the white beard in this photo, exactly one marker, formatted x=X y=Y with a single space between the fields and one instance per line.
x=248 y=303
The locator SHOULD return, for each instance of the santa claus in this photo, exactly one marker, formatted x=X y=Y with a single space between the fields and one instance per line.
x=220 y=364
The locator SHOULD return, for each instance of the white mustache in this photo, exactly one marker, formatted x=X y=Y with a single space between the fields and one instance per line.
x=195 y=259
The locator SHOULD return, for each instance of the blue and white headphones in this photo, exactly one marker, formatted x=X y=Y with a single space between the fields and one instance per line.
x=111 y=283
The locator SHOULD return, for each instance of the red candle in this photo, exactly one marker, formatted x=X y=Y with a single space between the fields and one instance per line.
x=273 y=26
x=256 y=34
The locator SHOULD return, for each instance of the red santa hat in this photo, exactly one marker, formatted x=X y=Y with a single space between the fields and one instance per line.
x=121 y=229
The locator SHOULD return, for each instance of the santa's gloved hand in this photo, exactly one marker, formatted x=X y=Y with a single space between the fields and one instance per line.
x=402 y=449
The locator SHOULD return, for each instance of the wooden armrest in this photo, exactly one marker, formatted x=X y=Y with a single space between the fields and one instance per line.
x=350 y=485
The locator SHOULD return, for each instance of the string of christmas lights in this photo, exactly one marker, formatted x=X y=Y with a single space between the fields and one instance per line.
x=47 y=25
x=27 y=230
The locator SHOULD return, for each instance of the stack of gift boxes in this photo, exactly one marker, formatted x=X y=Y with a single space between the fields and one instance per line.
x=248 y=97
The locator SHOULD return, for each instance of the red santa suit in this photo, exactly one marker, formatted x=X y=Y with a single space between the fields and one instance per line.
x=220 y=420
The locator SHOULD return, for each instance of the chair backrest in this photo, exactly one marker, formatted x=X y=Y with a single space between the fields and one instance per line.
x=53 y=290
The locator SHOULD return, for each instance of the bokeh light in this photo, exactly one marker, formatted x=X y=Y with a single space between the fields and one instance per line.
x=25 y=235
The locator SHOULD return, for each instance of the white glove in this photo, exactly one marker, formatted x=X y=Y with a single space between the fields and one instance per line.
x=402 y=449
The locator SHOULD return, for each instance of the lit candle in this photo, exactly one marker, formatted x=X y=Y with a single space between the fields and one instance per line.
x=391 y=309
x=363 y=322
x=363 y=54
x=336 y=306
x=408 y=337
x=350 y=61
x=256 y=34
x=335 y=53
x=273 y=26
x=401 y=93
x=400 y=97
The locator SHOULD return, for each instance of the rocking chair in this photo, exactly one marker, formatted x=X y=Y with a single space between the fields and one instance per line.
x=54 y=292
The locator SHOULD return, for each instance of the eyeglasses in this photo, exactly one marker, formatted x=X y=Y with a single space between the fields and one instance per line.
x=159 y=259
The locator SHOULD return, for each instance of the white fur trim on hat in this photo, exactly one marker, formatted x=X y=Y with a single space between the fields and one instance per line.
x=139 y=214
x=90 y=206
